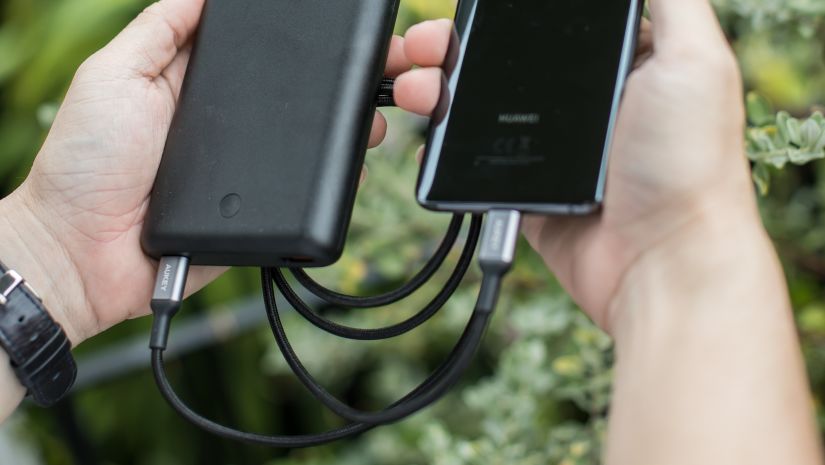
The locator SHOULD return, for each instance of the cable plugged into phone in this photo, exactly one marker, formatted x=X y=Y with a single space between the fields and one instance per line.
x=499 y=236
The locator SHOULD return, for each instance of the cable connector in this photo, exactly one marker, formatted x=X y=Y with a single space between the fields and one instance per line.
x=386 y=93
x=498 y=250
x=168 y=297
x=498 y=241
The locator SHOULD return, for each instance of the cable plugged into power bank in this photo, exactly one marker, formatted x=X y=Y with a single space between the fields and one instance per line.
x=386 y=93
x=498 y=240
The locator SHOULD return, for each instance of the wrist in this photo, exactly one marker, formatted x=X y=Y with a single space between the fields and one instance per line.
x=714 y=272
x=30 y=248
x=707 y=353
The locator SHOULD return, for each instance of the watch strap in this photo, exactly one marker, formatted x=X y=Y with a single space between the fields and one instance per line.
x=38 y=348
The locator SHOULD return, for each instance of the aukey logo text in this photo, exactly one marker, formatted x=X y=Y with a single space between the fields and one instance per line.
x=167 y=274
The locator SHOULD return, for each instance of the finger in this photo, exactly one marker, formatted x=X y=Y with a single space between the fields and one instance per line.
x=684 y=23
x=151 y=42
x=419 y=90
x=644 y=49
x=379 y=130
x=174 y=73
x=562 y=241
x=201 y=276
x=397 y=62
x=419 y=156
x=426 y=43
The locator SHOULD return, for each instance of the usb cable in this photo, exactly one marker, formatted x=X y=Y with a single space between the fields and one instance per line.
x=498 y=241
x=496 y=257
x=398 y=329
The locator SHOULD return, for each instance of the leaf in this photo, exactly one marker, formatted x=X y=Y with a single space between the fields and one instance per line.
x=789 y=128
x=802 y=157
x=762 y=178
x=819 y=145
x=760 y=141
x=810 y=133
x=760 y=110
x=791 y=140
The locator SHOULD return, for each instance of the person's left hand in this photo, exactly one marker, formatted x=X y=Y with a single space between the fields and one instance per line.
x=78 y=216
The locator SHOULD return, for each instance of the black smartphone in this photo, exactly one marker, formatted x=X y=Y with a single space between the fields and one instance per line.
x=529 y=105
x=262 y=161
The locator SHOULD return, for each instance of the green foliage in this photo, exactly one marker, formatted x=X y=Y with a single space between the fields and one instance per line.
x=790 y=140
x=540 y=391
x=782 y=141
x=559 y=362
x=805 y=16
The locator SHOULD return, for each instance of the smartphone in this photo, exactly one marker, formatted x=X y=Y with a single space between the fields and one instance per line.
x=263 y=157
x=529 y=105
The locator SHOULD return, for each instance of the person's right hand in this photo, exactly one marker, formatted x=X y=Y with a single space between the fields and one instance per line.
x=677 y=267
x=678 y=176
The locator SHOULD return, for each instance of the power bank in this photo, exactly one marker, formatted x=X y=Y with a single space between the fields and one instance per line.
x=263 y=158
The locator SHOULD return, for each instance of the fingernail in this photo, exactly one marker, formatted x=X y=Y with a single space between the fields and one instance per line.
x=364 y=173
x=419 y=157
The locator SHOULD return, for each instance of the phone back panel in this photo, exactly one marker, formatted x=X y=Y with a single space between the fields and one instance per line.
x=529 y=106
x=262 y=161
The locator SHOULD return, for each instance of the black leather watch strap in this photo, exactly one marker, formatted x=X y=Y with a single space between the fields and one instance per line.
x=39 y=350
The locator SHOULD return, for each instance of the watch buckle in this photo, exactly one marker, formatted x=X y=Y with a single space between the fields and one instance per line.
x=10 y=281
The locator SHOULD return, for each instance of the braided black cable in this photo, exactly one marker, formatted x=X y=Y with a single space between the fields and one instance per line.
x=424 y=395
x=414 y=284
x=399 y=329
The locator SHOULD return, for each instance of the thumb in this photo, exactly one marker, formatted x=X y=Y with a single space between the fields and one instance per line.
x=151 y=42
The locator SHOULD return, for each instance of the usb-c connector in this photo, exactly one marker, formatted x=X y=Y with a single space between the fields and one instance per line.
x=167 y=298
x=498 y=249
x=498 y=241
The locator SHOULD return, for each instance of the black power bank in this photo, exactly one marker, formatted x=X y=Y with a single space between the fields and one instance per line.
x=263 y=158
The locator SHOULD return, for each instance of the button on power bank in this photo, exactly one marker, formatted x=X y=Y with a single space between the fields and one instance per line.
x=263 y=158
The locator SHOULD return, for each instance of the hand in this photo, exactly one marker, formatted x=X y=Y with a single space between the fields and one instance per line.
x=79 y=214
x=677 y=267
x=677 y=171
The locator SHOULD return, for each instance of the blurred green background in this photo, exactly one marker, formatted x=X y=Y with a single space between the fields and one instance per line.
x=540 y=389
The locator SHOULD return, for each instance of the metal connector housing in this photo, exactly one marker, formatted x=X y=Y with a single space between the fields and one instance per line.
x=499 y=239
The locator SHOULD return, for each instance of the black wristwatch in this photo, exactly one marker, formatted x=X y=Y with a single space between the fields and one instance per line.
x=40 y=352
